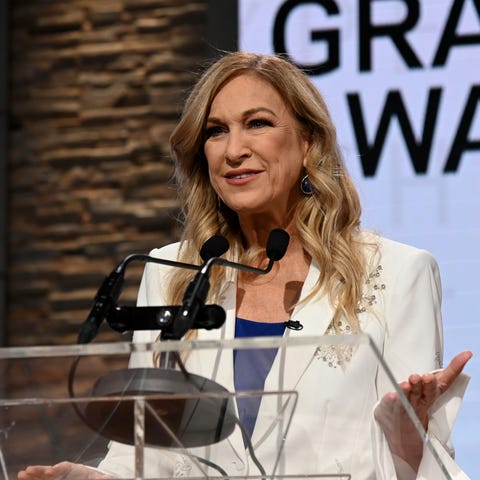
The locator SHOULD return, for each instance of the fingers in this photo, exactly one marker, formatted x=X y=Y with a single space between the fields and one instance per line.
x=45 y=472
x=425 y=389
x=37 y=472
x=421 y=392
x=449 y=374
x=415 y=392
x=430 y=388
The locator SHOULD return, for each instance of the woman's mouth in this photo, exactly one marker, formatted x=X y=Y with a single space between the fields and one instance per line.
x=241 y=175
x=239 y=178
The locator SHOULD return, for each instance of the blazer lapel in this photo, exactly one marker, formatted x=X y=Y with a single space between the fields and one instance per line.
x=315 y=317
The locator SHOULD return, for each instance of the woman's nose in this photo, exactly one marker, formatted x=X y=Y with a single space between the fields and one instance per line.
x=237 y=148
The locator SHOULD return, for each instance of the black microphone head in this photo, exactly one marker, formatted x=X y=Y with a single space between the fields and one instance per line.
x=214 y=247
x=277 y=244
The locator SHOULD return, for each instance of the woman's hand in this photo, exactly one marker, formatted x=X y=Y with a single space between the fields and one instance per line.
x=62 y=471
x=421 y=391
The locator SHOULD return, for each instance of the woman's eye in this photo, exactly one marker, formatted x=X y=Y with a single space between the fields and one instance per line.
x=259 y=123
x=213 y=131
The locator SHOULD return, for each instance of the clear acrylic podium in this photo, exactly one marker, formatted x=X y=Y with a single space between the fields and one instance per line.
x=182 y=419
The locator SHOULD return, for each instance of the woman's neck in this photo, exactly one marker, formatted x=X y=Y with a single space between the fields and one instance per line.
x=256 y=229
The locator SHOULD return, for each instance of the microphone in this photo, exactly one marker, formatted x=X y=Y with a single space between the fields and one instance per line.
x=277 y=244
x=214 y=247
x=107 y=295
x=111 y=287
x=197 y=290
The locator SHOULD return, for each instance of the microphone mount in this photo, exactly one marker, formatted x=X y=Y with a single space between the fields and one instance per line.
x=109 y=292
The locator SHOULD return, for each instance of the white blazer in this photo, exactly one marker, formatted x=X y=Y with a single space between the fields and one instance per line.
x=332 y=430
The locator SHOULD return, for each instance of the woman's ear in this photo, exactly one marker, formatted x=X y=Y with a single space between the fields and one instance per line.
x=307 y=143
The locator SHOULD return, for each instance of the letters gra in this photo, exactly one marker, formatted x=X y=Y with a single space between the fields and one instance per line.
x=368 y=32
x=397 y=33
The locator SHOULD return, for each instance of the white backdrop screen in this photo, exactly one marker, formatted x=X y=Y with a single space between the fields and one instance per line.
x=402 y=81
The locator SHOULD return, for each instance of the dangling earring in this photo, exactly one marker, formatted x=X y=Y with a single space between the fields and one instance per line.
x=306 y=186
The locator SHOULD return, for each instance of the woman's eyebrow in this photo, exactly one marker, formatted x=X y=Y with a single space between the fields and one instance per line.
x=245 y=114
x=252 y=111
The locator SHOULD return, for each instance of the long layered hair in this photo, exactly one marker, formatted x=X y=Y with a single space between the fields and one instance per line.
x=327 y=221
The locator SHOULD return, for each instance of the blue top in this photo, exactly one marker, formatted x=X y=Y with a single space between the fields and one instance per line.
x=251 y=367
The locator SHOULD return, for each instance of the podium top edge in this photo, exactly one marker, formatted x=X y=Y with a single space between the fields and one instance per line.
x=126 y=348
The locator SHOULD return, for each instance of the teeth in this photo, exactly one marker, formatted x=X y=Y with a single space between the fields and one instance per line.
x=243 y=175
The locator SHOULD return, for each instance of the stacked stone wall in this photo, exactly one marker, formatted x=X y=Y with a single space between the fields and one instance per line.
x=96 y=89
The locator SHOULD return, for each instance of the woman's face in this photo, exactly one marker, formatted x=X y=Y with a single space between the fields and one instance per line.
x=254 y=148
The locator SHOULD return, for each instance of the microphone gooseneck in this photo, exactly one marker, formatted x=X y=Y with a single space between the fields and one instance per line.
x=276 y=248
x=182 y=318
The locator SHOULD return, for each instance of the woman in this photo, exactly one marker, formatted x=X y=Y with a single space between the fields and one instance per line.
x=255 y=149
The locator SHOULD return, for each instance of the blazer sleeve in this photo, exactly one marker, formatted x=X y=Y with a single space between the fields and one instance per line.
x=414 y=344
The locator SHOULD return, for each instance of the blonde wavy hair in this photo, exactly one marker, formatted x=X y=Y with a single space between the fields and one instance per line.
x=327 y=221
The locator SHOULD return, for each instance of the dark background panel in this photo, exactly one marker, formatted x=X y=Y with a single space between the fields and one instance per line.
x=3 y=163
x=222 y=27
